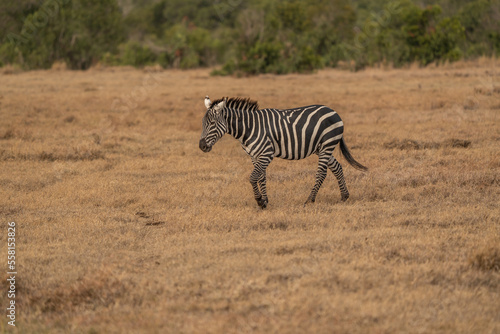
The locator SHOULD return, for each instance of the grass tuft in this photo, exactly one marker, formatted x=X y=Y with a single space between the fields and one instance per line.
x=487 y=258
x=410 y=144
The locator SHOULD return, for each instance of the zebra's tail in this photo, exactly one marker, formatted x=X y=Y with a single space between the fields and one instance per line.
x=349 y=158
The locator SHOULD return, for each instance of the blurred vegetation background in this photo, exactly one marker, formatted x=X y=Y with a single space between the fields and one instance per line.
x=246 y=37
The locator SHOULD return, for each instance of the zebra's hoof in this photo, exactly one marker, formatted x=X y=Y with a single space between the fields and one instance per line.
x=344 y=198
x=309 y=200
x=262 y=203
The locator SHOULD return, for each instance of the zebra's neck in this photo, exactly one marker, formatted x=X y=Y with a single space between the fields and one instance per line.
x=237 y=121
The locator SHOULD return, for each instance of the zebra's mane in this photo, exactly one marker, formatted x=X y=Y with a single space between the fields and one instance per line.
x=238 y=103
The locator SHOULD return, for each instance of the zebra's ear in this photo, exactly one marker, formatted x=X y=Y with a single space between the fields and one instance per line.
x=207 y=102
x=220 y=106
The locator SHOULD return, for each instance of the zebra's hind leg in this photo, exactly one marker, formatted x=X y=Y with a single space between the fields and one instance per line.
x=336 y=168
x=320 y=175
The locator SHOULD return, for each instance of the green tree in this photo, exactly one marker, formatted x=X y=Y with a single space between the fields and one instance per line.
x=430 y=38
x=481 y=20
x=78 y=32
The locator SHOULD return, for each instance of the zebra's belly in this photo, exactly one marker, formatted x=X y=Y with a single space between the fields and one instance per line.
x=295 y=153
x=293 y=158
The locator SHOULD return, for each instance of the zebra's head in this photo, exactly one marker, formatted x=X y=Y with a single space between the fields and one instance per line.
x=214 y=125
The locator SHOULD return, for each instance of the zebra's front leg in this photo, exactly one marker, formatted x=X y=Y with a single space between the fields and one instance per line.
x=254 y=179
x=258 y=180
x=320 y=176
x=263 y=190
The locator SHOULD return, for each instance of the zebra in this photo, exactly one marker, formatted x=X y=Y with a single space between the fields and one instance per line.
x=291 y=134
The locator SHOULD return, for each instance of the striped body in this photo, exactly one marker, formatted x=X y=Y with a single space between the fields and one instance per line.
x=289 y=134
x=293 y=133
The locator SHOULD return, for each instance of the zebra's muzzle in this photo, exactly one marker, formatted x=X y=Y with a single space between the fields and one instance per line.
x=204 y=147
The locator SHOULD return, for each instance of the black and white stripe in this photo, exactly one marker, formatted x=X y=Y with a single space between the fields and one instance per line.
x=288 y=134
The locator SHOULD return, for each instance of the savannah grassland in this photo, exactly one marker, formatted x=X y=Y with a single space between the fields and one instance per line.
x=125 y=226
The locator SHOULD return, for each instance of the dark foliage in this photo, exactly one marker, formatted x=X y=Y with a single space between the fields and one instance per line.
x=246 y=37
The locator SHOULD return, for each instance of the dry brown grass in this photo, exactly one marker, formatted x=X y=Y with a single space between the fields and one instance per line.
x=124 y=225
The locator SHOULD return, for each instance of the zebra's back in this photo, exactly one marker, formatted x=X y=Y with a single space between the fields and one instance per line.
x=299 y=132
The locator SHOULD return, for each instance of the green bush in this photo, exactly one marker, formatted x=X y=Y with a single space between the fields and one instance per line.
x=263 y=57
x=306 y=60
x=8 y=54
x=190 y=46
x=482 y=27
x=134 y=54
